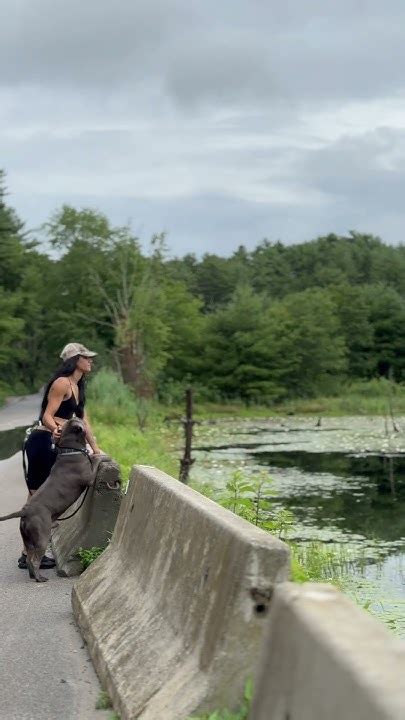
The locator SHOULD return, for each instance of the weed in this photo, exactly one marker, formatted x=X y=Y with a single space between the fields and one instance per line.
x=253 y=500
x=103 y=701
x=317 y=562
x=88 y=556
x=241 y=714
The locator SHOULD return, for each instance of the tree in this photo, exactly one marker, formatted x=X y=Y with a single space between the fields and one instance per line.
x=387 y=318
x=186 y=342
x=230 y=366
x=320 y=350
x=353 y=310
x=23 y=275
x=214 y=281
x=11 y=328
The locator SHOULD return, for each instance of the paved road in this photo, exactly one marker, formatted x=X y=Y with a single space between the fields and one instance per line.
x=45 y=672
x=20 y=411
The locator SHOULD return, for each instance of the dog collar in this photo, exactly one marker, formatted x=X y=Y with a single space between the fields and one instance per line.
x=72 y=451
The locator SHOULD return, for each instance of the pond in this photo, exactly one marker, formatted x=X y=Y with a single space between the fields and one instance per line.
x=11 y=441
x=344 y=482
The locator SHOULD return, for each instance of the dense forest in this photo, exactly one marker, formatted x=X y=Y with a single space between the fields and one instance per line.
x=265 y=325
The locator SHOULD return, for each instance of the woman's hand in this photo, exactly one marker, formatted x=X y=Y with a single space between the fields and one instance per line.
x=57 y=432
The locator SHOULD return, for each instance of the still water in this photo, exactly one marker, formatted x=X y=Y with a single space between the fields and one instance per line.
x=11 y=442
x=344 y=482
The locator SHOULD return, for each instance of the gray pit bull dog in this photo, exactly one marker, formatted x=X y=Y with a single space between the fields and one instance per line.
x=73 y=471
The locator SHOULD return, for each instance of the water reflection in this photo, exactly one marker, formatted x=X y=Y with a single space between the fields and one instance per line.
x=11 y=442
x=366 y=498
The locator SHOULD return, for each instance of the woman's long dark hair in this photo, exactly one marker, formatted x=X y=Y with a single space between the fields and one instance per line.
x=65 y=370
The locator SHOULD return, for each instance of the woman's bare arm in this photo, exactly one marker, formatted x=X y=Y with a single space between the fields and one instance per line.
x=56 y=394
x=89 y=435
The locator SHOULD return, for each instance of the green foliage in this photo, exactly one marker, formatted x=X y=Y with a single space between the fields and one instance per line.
x=111 y=400
x=262 y=350
x=69 y=227
x=320 y=351
x=253 y=500
x=241 y=714
x=129 y=429
x=275 y=325
x=10 y=327
x=129 y=445
x=103 y=701
x=114 y=402
x=355 y=398
x=317 y=562
x=87 y=556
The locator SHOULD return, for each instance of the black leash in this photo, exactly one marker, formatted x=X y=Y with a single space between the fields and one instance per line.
x=68 y=451
x=75 y=451
x=77 y=509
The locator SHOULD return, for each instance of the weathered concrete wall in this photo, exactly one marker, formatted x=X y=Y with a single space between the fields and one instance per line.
x=93 y=524
x=173 y=612
x=327 y=659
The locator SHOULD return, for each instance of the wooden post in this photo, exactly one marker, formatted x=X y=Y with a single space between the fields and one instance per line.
x=188 y=424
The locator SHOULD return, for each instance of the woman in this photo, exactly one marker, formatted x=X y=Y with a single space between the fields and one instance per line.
x=64 y=397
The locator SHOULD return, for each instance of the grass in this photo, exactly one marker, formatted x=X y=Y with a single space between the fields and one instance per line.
x=103 y=701
x=359 y=398
x=88 y=556
x=241 y=714
x=108 y=394
x=371 y=397
x=317 y=562
x=129 y=446
x=131 y=432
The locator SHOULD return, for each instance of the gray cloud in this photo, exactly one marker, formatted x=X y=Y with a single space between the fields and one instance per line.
x=222 y=123
x=205 y=50
x=367 y=170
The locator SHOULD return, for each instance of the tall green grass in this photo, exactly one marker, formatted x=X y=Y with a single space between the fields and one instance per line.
x=317 y=562
x=241 y=714
x=371 y=397
x=117 y=417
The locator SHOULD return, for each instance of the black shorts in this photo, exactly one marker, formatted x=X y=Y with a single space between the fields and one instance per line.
x=41 y=456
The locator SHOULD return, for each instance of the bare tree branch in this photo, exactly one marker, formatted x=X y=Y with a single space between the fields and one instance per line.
x=92 y=319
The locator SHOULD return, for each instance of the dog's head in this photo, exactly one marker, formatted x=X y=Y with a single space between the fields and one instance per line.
x=73 y=431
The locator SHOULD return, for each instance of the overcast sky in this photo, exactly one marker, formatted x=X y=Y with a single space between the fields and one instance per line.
x=219 y=122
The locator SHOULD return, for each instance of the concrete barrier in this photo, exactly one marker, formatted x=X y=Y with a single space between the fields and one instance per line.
x=173 y=612
x=92 y=525
x=327 y=659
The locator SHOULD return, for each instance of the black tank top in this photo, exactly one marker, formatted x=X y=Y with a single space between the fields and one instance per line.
x=68 y=407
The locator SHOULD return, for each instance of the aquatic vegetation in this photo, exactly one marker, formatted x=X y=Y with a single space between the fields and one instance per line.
x=342 y=485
